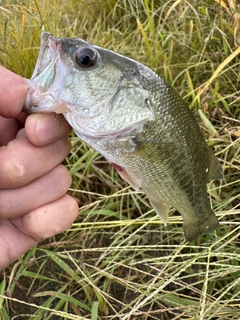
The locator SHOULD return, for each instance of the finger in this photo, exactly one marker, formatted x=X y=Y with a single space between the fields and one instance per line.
x=19 y=235
x=50 y=219
x=13 y=243
x=8 y=130
x=22 y=162
x=42 y=129
x=13 y=90
x=46 y=189
x=22 y=118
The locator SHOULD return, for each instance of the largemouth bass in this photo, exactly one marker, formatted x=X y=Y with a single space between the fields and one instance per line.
x=135 y=119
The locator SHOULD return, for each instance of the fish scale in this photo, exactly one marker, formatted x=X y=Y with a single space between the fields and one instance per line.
x=135 y=119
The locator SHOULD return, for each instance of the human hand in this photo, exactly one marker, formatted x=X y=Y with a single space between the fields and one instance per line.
x=33 y=183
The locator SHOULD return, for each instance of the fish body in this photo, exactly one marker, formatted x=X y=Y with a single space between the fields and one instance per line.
x=133 y=118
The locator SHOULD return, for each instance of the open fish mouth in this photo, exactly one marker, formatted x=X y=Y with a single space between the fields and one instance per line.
x=47 y=54
x=46 y=80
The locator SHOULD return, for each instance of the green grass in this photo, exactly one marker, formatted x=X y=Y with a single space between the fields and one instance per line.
x=118 y=261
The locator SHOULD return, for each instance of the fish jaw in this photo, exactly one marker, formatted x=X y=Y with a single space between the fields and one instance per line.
x=47 y=79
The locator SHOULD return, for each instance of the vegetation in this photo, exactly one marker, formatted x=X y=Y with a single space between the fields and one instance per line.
x=118 y=261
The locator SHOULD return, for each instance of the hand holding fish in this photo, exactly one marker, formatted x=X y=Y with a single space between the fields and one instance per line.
x=33 y=183
x=135 y=119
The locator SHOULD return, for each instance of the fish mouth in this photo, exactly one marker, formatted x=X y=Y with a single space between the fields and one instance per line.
x=49 y=42
x=46 y=62
x=44 y=84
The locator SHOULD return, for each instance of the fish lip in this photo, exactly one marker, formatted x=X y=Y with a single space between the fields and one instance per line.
x=49 y=55
x=43 y=46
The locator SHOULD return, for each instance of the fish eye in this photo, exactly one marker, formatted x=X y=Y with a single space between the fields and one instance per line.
x=86 y=57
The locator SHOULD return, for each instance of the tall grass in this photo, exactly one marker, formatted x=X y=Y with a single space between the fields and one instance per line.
x=118 y=261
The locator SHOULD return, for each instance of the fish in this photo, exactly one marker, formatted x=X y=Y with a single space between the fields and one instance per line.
x=133 y=118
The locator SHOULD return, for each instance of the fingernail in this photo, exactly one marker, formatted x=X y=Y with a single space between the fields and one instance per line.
x=47 y=128
x=21 y=133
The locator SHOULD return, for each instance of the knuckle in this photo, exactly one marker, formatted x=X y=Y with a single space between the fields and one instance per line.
x=5 y=205
x=13 y=172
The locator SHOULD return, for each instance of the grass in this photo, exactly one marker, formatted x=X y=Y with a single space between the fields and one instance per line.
x=118 y=261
